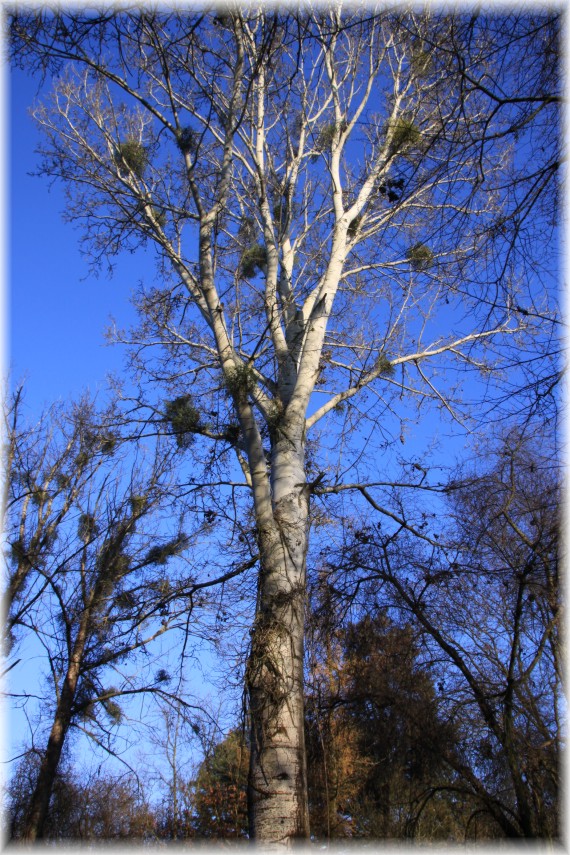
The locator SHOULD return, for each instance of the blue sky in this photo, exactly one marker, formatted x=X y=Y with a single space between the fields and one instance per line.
x=56 y=310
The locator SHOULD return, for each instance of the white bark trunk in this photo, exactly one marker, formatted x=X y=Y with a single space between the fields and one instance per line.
x=277 y=786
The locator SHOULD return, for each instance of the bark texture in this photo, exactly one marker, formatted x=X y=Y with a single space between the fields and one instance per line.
x=277 y=796
x=39 y=803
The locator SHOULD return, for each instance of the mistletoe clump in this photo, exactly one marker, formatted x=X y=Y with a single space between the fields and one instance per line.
x=132 y=154
x=247 y=229
x=420 y=62
x=404 y=134
x=108 y=443
x=87 y=527
x=184 y=419
x=420 y=257
x=354 y=225
x=160 y=553
x=112 y=709
x=383 y=364
x=392 y=188
x=186 y=140
x=125 y=600
x=159 y=216
x=240 y=380
x=253 y=260
x=138 y=504
x=328 y=133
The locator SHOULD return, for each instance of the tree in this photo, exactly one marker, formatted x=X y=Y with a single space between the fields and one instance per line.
x=88 y=551
x=174 y=813
x=377 y=737
x=487 y=600
x=38 y=493
x=220 y=790
x=323 y=214
x=82 y=809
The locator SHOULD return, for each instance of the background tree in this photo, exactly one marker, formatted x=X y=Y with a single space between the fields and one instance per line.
x=323 y=207
x=87 y=526
x=91 y=809
x=39 y=492
x=220 y=790
x=377 y=737
x=487 y=602
x=174 y=814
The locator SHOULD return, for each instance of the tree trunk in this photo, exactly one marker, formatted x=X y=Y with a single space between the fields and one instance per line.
x=277 y=790
x=39 y=803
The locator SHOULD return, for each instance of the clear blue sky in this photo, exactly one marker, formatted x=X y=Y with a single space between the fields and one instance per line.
x=56 y=310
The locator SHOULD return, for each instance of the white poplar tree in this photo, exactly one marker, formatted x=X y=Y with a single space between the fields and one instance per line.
x=324 y=190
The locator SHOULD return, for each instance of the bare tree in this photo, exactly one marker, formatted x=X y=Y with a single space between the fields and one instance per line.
x=487 y=599
x=83 y=807
x=93 y=534
x=312 y=185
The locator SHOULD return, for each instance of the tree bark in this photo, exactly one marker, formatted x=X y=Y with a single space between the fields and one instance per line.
x=37 y=812
x=277 y=790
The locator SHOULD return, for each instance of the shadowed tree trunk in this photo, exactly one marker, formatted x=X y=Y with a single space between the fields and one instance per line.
x=39 y=804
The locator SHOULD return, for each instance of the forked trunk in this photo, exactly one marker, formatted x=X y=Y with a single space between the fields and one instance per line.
x=277 y=792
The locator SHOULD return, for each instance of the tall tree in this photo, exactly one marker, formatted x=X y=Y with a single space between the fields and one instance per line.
x=323 y=213
x=220 y=801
